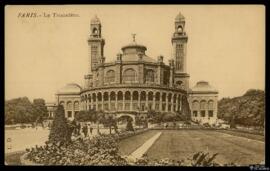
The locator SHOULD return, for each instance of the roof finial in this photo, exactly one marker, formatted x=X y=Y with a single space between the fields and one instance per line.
x=133 y=35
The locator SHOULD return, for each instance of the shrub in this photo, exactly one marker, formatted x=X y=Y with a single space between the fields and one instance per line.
x=129 y=125
x=60 y=130
x=101 y=150
x=207 y=125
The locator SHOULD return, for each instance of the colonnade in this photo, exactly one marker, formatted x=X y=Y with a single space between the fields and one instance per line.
x=136 y=100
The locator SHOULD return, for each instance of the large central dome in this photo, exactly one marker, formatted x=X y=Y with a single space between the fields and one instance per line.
x=135 y=52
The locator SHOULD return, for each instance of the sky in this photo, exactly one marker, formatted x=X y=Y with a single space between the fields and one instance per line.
x=226 y=44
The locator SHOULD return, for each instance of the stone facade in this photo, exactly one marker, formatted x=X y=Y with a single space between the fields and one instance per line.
x=134 y=82
x=203 y=100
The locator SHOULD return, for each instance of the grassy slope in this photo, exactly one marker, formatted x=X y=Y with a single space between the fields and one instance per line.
x=128 y=145
x=179 y=145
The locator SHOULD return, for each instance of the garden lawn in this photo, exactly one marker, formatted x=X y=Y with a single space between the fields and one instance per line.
x=180 y=144
x=128 y=145
x=243 y=134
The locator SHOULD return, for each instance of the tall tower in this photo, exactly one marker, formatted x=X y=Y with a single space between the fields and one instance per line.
x=179 y=43
x=96 y=44
x=96 y=48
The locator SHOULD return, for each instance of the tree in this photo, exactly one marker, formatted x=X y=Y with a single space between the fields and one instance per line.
x=169 y=117
x=19 y=110
x=40 y=107
x=247 y=110
x=129 y=126
x=60 y=130
x=185 y=108
x=83 y=116
x=97 y=117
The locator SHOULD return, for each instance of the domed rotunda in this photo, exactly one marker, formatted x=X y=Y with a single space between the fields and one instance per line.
x=134 y=83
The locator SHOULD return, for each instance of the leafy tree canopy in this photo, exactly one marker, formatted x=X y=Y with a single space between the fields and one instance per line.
x=247 y=110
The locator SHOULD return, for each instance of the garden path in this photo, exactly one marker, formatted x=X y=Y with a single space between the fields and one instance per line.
x=138 y=153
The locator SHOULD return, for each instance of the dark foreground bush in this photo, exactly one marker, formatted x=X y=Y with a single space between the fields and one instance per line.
x=103 y=150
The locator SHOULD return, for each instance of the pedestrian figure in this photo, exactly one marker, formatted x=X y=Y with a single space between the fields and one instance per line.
x=91 y=130
x=49 y=125
x=79 y=128
x=85 y=130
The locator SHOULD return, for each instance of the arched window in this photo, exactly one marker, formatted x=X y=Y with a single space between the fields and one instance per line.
x=210 y=108
x=95 y=31
x=150 y=75
x=127 y=95
x=106 y=96
x=174 y=98
x=94 y=97
x=180 y=29
x=119 y=98
x=211 y=105
x=195 y=105
x=150 y=96
x=129 y=75
x=157 y=96
x=120 y=95
x=135 y=95
x=99 y=97
x=143 y=96
x=112 y=95
x=169 y=97
x=69 y=105
x=76 y=105
x=195 y=108
x=163 y=97
x=203 y=105
x=89 y=97
x=110 y=76
x=166 y=79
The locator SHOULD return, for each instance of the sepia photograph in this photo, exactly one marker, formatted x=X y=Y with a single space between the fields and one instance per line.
x=135 y=85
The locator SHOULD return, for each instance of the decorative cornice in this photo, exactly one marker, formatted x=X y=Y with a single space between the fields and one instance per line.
x=203 y=92
x=136 y=86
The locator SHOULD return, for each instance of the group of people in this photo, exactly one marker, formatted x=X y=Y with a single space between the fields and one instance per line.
x=84 y=129
x=87 y=130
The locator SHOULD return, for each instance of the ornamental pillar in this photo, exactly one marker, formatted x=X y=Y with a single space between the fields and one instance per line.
x=177 y=102
x=160 y=102
x=86 y=102
x=139 y=100
x=109 y=100
x=131 y=101
x=181 y=103
x=154 y=101
x=102 y=101
x=166 y=109
x=116 y=102
x=96 y=102
x=91 y=102
x=123 y=106
x=147 y=101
